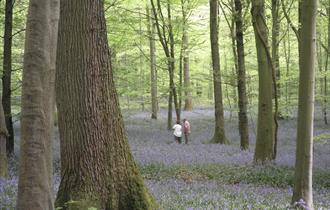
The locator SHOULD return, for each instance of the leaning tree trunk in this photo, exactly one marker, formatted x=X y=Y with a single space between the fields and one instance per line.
x=35 y=178
x=219 y=132
x=98 y=169
x=3 y=136
x=265 y=125
x=6 y=78
x=241 y=80
x=304 y=152
x=153 y=66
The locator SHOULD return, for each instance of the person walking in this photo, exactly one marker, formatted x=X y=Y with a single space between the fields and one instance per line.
x=186 y=130
x=177 y=132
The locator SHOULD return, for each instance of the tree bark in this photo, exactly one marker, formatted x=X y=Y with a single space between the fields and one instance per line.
x=98 y=169
x=188 y=106
x=3 y=136
x=265 y=125
x=325 y=79
x=219 y=132
x=35 y=178
x=304 y=150
x=6 y=78
x=153 y=67
x=275 y=45
x=241 y=80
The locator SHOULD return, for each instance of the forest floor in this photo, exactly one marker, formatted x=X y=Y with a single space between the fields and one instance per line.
x=209 y=176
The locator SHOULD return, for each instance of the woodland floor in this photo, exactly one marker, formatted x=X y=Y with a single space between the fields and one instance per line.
x=208 y=176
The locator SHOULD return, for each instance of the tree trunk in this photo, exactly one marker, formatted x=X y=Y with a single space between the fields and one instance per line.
x=153 y=68
x=6 y=78
x=325 y=79
x=241 y=81
x=172 y=62
x=98 y=169
x=275 y=45
x=3 y=155
x=304 y=152
x=219 y=132
x=49 y=85
x=188 y=106
x=265 y=125
x=169 y=111
x=35 y=179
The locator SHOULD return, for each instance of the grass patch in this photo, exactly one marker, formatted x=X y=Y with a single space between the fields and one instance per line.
x=270 y=175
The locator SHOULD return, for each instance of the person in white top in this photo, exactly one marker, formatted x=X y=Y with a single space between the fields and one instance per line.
x=177 y=132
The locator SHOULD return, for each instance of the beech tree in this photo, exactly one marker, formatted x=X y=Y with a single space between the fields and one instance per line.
x=6 y=77
x=153 y=64
x=3 y=136
x=304 y=150
x=35 y=173
x=265 y=124
x=219 y=131
x=241 y=78
x=188 y=106
x=97 y=167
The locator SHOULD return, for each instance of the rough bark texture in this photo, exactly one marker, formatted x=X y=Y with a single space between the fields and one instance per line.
x=35 y=176
x=3 y=135
x=219 y=132
x=304 y=152
x=241 y=78
x=97 y=166
x=6 y=78
x=153 y=66
x=265 y=124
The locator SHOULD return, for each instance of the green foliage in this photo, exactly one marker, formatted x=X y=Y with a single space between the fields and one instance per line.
x=268 y=175
x=323 y=138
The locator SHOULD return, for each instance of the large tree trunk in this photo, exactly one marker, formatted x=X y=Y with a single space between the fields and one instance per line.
x=304 y=152
x=3 y=136
x=265 y=124
x=153 y=67
x=6 y=78
x=219 y=132
x=241 y=80
x=97 y=166
x=35 y=179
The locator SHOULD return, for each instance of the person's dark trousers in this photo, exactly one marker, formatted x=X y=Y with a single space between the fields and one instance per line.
x=186 y=135
x=179 y=140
